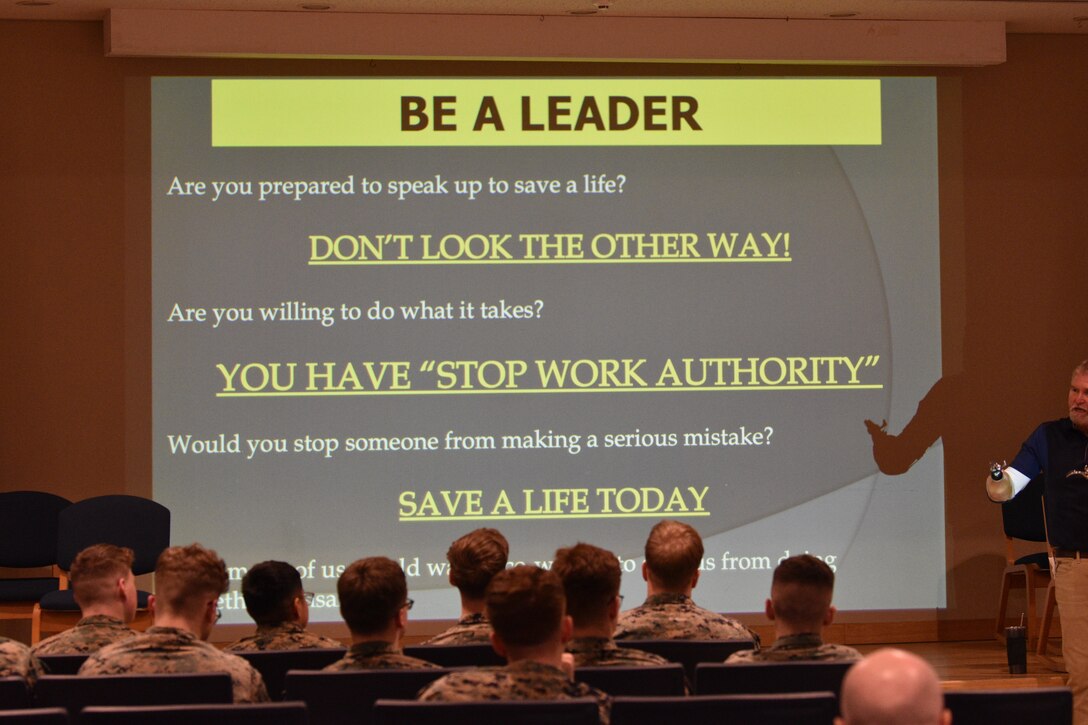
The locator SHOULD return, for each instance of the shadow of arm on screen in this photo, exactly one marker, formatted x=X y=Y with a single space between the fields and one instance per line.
x=895 y=454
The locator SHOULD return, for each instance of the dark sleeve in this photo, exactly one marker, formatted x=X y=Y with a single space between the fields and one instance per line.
x=1032 y=458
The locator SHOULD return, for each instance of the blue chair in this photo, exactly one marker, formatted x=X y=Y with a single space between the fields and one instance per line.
x=1050 y=705
x=811 y=708
x=75 y=692
x=28 y=540
x=347 y=697
x=580 y=711
x=271 y=713
x=689 y=652
x=457 y=655
x=654 y=681
x=13 y=693
x=752 y=678
x=274 y=664
x=132 y=521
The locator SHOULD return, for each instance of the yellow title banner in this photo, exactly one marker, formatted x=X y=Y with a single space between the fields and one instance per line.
x=342 y=112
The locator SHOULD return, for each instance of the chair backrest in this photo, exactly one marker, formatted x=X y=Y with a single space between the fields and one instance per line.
x=752 y=678
x=1050 y=705
x=1022 y=515
x=347 y=697
x=75 y=692
x=810 y=708
x=579 y=711
x=35 y=716
x=690 y=652
x=274 y=664
x=28 y=528
x=63 y=664
x=13 y=693
x=138 y=523
x=659 y=680
x=268 y=713
x=457 y=655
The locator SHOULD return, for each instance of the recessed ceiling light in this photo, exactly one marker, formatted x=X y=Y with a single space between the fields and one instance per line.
x=846 y=14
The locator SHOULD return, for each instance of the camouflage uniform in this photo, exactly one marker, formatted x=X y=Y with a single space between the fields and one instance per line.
x=524 y=680
x=675 y=616
x=472 y=629
x=89 y=635
x=603 y=652
x=16 y=660
x=379 y=656
x=288 y=635
x=807 y=647
x=167 y=649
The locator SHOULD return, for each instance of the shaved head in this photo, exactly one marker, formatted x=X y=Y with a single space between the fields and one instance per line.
x=892 y=687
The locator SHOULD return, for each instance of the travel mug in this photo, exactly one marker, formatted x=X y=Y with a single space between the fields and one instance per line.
x=1016 y=646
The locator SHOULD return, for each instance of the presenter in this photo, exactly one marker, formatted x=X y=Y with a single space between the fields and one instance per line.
x=1059 y=450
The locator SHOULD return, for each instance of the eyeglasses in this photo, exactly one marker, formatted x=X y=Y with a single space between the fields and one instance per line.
x=408 y=603
x=218 y=613
x=309 y=597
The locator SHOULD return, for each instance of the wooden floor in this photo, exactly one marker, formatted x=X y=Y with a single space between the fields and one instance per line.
x=983 y=664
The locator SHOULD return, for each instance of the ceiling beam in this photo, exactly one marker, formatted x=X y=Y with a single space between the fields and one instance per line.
x=210 y=33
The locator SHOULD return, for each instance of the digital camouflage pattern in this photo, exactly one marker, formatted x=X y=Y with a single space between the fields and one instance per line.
x=16 y=660
x=603 y=652
x=90 y=634
x=471 y=629
x=524 y=680
x=288 y=635
x=675 y=616
x=167 y=649
x=798 y=647
x=379 y=656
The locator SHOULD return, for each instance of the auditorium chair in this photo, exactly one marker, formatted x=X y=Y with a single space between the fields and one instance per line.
x=457 y=655
x=655 y=681
x=28 y=540
x=809 y=708
x=347 y=697
x=274 y=664
x=75 y=692
x=689 y=652
x=35 y=716
x=1022 y=518
x=13 y=693
x=757 y=678
x=268 y=713
x=1050 y=705
x=132 y=521
x=579 y=711
x=63 y=664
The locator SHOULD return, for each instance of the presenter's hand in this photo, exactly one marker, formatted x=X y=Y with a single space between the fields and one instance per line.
x=999 y=490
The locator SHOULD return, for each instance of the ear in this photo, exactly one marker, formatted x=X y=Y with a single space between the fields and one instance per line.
x=768 y=609
x=695 y=579
x=151 y=605
x=645 y=572
x=498 y=645
x=830 y=616
x=402 y=617
x=566 y=628
x=614 y=609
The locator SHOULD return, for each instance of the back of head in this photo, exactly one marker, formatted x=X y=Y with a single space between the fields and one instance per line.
x=372 y=592
x=475 y=558
x=801 y=591
x=674 y=552
x=270 y=589
x=526 y=605
x=591 y=581
x=892 y=687
x=186 y=577
x=95 y=572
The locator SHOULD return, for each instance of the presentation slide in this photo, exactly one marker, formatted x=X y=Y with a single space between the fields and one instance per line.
x=389 y=311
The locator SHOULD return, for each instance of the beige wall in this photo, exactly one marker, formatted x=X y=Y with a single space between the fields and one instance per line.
x=75 y=266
